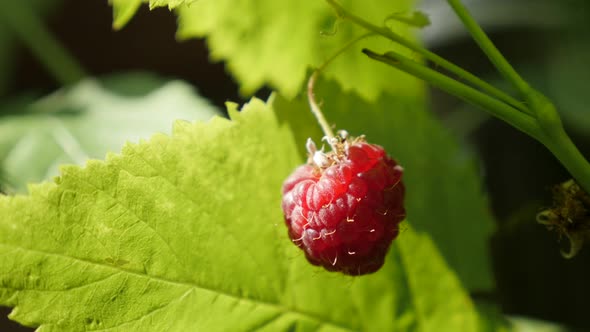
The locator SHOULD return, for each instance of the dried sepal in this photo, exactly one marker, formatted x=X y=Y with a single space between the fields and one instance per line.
x=569 y=216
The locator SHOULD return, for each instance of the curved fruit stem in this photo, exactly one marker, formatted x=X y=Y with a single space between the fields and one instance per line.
x=315 y=109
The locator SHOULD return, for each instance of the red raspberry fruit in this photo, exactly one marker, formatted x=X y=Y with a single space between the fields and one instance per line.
x=343 y=208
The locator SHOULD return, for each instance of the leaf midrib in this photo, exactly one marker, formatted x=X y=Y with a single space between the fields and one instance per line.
x=280 y=307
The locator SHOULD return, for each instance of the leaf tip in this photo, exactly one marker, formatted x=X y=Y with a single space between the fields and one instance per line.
x=123 y=11
x=232 y=109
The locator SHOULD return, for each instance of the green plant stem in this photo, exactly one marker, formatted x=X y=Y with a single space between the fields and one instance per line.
x=570 y=157
x=436 y=59
x=538 y=117
x=20 y=18
x=552 y=133
x=498 y=108
x=489 y=48
x=546 y=127
x=555 y=138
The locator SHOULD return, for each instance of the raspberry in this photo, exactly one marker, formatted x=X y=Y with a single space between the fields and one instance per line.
x=343 y=208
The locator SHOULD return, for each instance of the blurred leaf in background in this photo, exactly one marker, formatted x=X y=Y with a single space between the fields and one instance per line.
x=87 y=121
x=274 y=43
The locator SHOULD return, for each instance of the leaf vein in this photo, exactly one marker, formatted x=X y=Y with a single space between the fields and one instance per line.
x=245 y=249
x=129 y=210
x=277 y=306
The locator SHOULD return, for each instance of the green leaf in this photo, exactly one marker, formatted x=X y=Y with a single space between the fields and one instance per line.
x=89 y=120
x=185 y=233
x=444 y=195
x=124 y=10
x=171 y=4
x=268 y=42
x=282 y=39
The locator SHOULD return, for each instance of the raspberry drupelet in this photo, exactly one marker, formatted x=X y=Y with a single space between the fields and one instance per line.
x=343 y=208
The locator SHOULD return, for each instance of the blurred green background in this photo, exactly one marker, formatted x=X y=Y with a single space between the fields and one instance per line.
x=546 y=40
